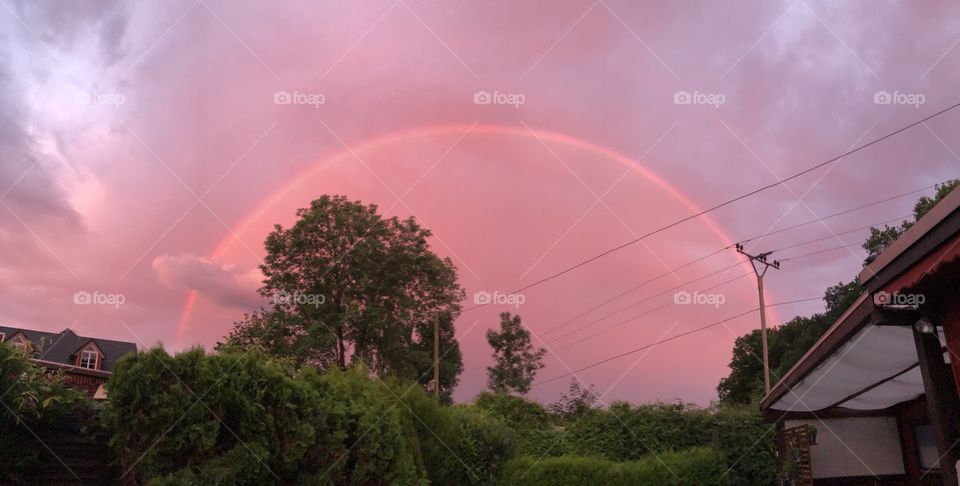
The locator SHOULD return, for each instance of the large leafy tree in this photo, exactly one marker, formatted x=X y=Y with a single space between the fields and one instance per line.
x=517 y=361
x=787 y=343
x=348 y=285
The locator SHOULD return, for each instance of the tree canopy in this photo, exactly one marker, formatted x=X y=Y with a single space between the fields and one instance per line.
x=347 y=285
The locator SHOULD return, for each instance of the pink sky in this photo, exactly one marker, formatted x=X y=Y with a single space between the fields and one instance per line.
x=144 y=155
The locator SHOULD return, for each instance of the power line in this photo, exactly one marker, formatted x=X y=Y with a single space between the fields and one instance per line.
x=733 y=200
x=668 y=304
x=646 y=299
x=834 y=235
x=841 y=213
x=645 y=313
x=805 y=255
x=630 y=290
x=671 y=338
x=704 y=257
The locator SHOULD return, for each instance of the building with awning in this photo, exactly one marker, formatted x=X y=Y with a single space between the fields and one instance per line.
x=874 y=401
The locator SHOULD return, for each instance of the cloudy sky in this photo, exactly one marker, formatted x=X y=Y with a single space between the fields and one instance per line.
x=148 y=148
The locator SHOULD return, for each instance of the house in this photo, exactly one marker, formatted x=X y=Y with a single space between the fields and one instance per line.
x=86 y=362
x=874 y=401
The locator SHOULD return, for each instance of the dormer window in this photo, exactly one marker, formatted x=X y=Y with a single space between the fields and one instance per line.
x=19 y=343
x=89 y=358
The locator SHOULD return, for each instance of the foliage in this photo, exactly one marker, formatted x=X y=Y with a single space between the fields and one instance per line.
x=517 y=362
x=577 y=403
x=344 y=279
x=694 y=466
x=517 y=412
x=625 y=433
x=456 y=445
x=244 y=419
x=32 y=400
x=247 y=418
x=484 y=445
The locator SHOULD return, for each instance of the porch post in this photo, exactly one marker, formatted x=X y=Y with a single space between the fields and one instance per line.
x=942 y=402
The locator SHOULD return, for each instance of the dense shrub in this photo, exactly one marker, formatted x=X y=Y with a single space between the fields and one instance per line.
x=244 y=419
x=458 y=445
x=260 y=421
x=625 y=433
x=693 y=466
x=750 y=444
x=484 y=444
x=32 y=400
x=517 y=412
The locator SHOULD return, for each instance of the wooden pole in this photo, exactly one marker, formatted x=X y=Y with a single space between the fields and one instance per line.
x=763 y=337
x=754 y=261
x=436 y=359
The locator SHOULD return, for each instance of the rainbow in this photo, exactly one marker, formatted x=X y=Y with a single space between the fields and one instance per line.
x=433 y=131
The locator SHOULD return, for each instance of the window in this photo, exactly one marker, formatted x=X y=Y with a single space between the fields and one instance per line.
x=20 y=344
x=927 y=446
x=88 y=359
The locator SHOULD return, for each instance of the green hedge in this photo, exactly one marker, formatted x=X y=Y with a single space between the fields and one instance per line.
x=693 y=466
x=517 y=412
x=261 y=421
x=625 y=432
x=253 y=423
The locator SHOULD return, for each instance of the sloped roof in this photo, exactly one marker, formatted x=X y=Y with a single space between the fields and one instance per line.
x=60 y=347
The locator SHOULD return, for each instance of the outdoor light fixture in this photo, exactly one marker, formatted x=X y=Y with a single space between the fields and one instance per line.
x=924 y=326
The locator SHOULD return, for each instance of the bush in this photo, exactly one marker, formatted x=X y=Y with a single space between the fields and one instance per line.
x=625 y=432
x=750 y=445
x=33 y=399
x=517 y=412
x=484 y=444
x=693 y=466
x=459 y=445
x=260 y=421
x=254 y=422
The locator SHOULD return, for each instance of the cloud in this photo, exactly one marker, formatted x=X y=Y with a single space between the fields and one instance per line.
x=61 y=24
x=35 y=208
x=225 y=284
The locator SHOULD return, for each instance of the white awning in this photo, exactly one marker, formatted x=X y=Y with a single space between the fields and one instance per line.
x=876 y=368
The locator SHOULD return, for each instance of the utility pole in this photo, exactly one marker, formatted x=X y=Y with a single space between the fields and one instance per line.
x=436 y=359
x=760 y=266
